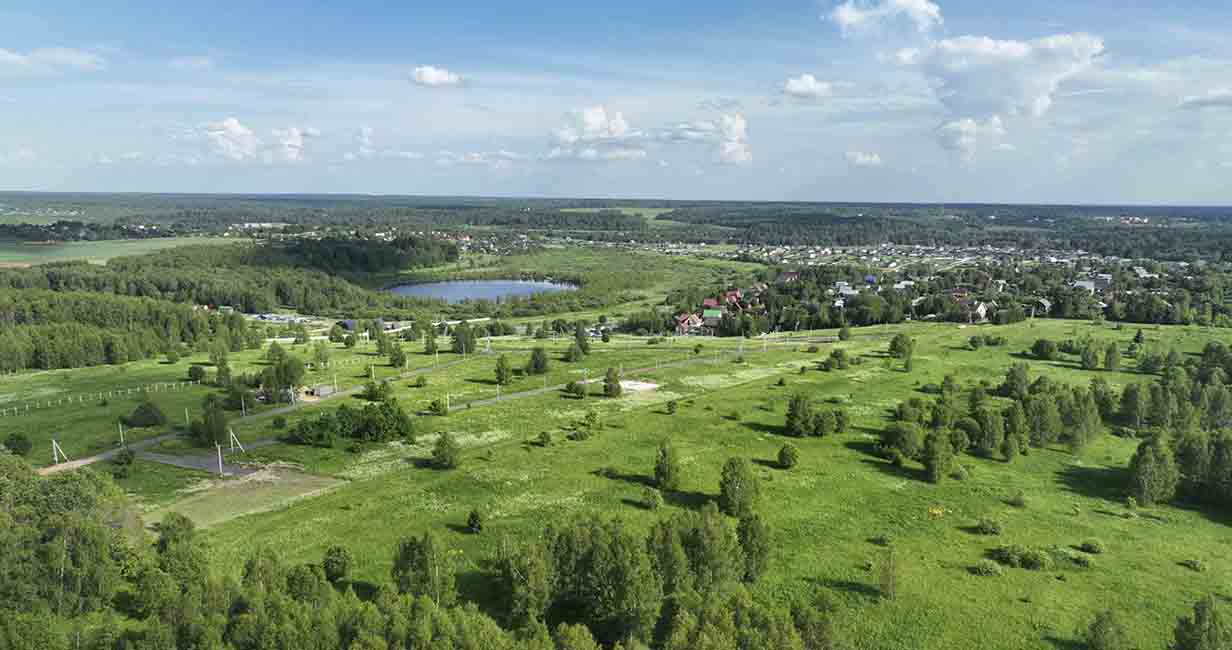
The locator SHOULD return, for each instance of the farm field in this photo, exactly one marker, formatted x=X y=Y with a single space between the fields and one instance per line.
x=825 y=511
x=18 y=254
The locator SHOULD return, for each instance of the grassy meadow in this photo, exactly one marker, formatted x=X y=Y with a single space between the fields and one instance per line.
x=823 y=514
x=19 y=254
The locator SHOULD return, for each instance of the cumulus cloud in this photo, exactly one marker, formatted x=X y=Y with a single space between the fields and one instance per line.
x=432 y=76
x=366 y=149
x=806 y=86
x=1221 y=98
x=192 y=63
x=48 y=60
x=863 y=159
x=981 y=76
x=734 y=142
x=231 y=139
x=289 y=143
x=730 y=133
x=596 y=134
x=857 y=17
x=965 y=135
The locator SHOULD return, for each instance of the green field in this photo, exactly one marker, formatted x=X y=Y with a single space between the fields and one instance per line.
x=822 y=513
x=96 y=252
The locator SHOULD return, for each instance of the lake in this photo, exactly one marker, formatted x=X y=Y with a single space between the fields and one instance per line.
x=458 y=290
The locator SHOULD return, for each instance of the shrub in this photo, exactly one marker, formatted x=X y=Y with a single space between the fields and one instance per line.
x=961 y=473
x=986 y=568
x=337 y=563
x=1019 y=500
x=1084 y=561
x=671 y=407
x=446 y=454
x=1092 y=546
x=280 y=422
x=474 y=523
x=1194 y=564
x=196 y=373
x=147 y=414
x=813 y=349
x=122 y=463
x=881 y=539
x=18 y=443
x=781 y=382
x=439 y=407
x=545 y=439
x=1018 y=556
x=576 y=389
x=421 y=381
x=652 y=499
x=989 y=526
x=789 y=456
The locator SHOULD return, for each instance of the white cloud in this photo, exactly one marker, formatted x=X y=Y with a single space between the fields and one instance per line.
x=734 y=142
x=289 y=143
x=104 y=160
x=806 y=86
x=501 y=159
x=965 y=135
x=48 y=60
x=977 y=76
x=856 y=16
x=593 y=124
x=231 y=139
x=192 y=63
x=427 y=75
x=863 y=159
x=18 y=156
x=593 y=154
x=1221 y=98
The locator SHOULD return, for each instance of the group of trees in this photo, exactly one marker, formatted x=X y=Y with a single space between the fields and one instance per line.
x=378 y=422
x=803 y=419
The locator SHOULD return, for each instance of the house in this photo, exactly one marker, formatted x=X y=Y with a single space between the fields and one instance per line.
x=905 y=284
x=687 y=324
x=733 y=297
x=710 y=303
x=1044 y=304
x=788 y=277
x=711 y=317
x=1089 y=285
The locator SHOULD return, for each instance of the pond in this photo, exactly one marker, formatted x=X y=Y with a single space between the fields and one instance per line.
x=458 y=290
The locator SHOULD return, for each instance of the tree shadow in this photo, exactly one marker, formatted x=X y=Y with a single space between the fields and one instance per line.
x=687 y=499
x=1065 y=644
x=1097 y=482
x=459 y=529
x=769 y=429
x=858 y=589
x=363 y=589
x=634 y=479
x=768 y=464
x=897 y=471
x=481 y=382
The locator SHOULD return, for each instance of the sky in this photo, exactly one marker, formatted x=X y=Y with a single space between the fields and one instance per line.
x=1050 y=101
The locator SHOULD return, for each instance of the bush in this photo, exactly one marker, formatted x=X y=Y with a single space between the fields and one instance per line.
x=280 y=422
x=1092 y=546
x=474 y=523
x=1018 y=556
x=1084 y=561
x=789 y=456
x=986 y=568
x=671 y=407
x=438 y=407
x=421 y=381
x=652 y=499
x=781 y=382
x=1019 y=500
x=989 y=526
x=337 y=563
x=18 y=443
x=122 y=463
x=961 y=473
x=545 y=439
x=813 y=349
x=446 y=454
x=147 y=414
x=196 y=373
x=881 y=539
x=576 y=389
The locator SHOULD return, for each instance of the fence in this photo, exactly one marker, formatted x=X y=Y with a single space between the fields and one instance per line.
x=95 y=397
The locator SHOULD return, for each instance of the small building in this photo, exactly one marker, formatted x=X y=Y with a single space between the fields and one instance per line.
x=710 y=303
x=788 y=277
x=712 y=317
x=322 y=390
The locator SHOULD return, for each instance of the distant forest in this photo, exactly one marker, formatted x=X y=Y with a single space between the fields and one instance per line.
x=1159 y=232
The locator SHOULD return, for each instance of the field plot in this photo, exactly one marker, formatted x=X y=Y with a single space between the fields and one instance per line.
x=17 y=254
x=271 y=488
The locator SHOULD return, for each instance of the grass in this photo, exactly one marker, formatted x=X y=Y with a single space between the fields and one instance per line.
x=97 y=252
x=823 y=513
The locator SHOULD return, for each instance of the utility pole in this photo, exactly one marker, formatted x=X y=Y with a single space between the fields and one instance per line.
x=187 y=422
x=121 y=435
x=219 y=448
x=243 y=407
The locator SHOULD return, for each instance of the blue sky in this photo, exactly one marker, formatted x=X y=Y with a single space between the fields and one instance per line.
x=861 y=100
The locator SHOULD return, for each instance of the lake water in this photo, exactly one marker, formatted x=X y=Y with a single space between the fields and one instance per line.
x=459 y=290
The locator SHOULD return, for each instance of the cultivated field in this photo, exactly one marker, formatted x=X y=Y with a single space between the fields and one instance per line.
x=20 y=254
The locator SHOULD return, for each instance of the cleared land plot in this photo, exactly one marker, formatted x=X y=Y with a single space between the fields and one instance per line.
x=96 y=252
x=269 y=489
